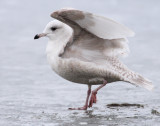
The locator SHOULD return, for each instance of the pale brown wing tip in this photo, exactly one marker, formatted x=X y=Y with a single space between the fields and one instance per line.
x=54 y=14
x=71 y=14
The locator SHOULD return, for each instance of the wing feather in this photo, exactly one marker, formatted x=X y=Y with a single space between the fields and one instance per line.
x=100 y=26
x=95 y=37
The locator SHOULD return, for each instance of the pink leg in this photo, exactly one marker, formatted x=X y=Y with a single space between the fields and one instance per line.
x=86 y=103
x=93 y=98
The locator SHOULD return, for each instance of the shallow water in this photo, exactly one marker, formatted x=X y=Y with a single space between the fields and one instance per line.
x=32 y=95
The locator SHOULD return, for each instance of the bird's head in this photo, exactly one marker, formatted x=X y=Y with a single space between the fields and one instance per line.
x=54 y=30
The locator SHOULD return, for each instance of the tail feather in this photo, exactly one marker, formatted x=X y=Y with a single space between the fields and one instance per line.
x=127 y=75
x=141 y=81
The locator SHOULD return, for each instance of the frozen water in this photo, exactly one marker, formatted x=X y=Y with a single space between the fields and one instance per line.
x=32 y=95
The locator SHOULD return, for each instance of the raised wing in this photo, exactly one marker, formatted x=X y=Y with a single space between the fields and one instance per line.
x=87 y=45
x=100 y=26
x=90 y=48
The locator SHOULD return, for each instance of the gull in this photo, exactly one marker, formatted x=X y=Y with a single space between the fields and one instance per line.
x=86 y=48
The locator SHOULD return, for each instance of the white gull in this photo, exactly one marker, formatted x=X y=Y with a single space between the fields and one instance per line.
x=85 y=48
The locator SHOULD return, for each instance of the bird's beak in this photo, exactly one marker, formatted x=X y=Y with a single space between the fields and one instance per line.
x=40 y=35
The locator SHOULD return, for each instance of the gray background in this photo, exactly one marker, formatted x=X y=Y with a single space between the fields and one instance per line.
x=31 y=94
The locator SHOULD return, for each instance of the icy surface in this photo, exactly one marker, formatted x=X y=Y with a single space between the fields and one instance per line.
x=32 y=95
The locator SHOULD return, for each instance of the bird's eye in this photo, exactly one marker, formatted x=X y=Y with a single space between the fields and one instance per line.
x=53 y=28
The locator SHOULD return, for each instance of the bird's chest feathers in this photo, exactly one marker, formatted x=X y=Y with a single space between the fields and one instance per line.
x=54 y=50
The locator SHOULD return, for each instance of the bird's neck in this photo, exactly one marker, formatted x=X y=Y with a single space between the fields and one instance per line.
x=56 y=47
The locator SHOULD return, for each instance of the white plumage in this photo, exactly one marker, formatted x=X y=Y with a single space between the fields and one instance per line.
x=85 y=48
